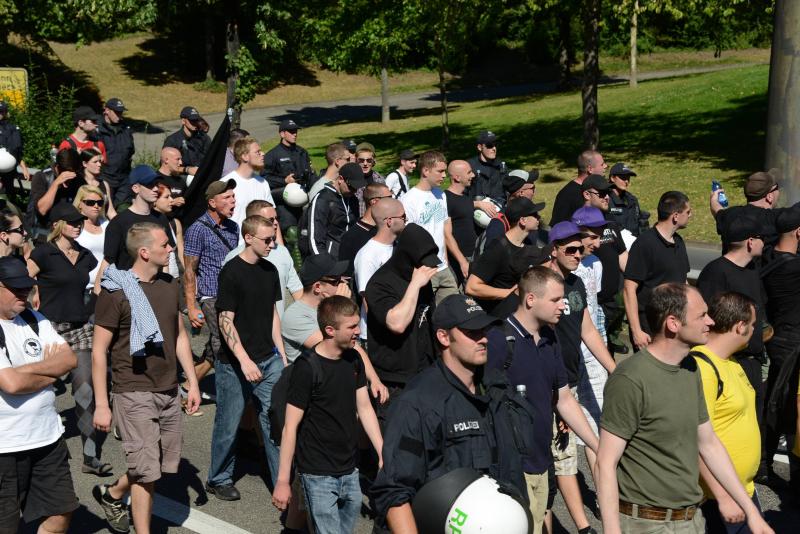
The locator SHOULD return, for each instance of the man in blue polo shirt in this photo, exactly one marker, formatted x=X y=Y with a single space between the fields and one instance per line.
x=533 y=360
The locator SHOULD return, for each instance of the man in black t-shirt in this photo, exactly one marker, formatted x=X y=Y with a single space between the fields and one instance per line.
x=330 y=403
x=171 y=174
x=460 y=210
x=570 y=197
x=253 y=356
x=658 y=256
x=365 y=228
x=762 y=191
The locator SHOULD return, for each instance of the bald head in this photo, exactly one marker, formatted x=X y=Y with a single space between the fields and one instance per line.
x=386 y=207
x=171 y=162
x=460 y=172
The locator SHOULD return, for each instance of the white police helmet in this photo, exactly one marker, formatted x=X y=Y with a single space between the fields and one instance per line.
x=294 y=195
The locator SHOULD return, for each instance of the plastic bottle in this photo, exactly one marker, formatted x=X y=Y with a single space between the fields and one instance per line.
x=722 y=198
x=195 y=329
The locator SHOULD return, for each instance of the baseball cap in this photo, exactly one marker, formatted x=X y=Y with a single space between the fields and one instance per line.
x=564 y=230
x=514 y=181
x=353 y=175
x=518 y=208
x=408 y=154
x=288 y=125
x=788 y=219
x=64 y=211
x=759 y=184
x=365 y=146
x=318 y=266
x=14 y=274
x=742 y=228
x=190 y=113
x=84 y=113
x=486 y=136
x=620 y=169
x=142 y=174
x=218 y=187
x=595 y=181
x=589 y=216
x=116 y=105
x=350 y=145
x=463 y=312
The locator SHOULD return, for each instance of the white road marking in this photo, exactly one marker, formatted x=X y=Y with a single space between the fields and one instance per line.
x=191 y=518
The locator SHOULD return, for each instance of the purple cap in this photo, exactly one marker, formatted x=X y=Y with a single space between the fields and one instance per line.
x=589 y=216
x=564 y=230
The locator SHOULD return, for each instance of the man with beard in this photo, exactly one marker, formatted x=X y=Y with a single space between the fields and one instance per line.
x=250 y=185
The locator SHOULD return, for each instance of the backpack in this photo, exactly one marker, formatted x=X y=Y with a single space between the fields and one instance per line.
x=29 y=318
x=705 y=358
x=280 y=394
x=480 y=242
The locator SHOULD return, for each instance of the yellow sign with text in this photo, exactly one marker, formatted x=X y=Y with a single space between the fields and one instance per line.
x=13 y=86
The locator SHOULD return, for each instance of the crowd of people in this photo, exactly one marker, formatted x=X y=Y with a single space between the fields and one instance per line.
x=406 y=332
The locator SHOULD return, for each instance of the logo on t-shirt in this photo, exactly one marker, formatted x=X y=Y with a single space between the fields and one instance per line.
x=574 y=302
x=32 y=347
x=433 y=212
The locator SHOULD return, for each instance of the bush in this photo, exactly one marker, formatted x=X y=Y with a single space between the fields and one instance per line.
x=44 y=120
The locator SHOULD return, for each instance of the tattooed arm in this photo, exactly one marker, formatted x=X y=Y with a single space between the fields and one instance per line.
x=228 y=332
x=190 y=290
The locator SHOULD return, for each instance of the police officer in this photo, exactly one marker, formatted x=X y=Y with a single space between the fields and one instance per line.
x=11 y=140
x=287 y=163
x=118 y=139
x=453 y=414
x=623 y=206
x=191 y=140
x=489 y=171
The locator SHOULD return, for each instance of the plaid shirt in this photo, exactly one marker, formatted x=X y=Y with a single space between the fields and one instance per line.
x=202 y=242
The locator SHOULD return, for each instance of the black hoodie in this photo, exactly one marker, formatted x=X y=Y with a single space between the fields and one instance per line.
x=398 y=357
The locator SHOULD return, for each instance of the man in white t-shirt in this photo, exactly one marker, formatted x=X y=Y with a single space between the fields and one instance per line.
x=390 y=218
x=250 y=185
x=279 y=256
x=34 y=460
x=426 y=205
x=397 y=180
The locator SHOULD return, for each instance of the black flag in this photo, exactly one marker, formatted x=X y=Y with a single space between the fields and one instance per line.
x=209 y=171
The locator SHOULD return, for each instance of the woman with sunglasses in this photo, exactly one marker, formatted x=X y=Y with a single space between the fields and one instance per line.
x=62 y=267
x=91 y=204
x=164 y=205
x=92 y=164
x=12 y=233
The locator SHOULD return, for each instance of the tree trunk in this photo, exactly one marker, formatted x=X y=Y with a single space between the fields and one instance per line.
x=783 y=117
x=208 y=23
x=634 y=53
x=591 y=74
x=564 y=48
x=232 y=48
x=385 y=96
x=443 y=97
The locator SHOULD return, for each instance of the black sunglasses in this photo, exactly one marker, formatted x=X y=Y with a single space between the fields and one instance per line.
x=489 y=145
x=571 y=251
x=600 y=194
x=18 y=230
x=333 y=281
x=92 y=203
x=366 y=160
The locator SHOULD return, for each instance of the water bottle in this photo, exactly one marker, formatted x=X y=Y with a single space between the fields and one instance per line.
x=722 y=198
x=195 y=329
x=522 y=390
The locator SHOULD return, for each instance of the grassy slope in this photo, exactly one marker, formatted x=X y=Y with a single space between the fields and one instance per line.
x=677 y=134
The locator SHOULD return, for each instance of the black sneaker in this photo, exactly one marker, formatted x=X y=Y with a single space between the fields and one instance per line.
x=224 y=492
x=116 y=511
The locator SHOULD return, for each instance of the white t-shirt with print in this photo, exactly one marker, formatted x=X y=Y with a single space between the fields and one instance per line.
x=428 y=209
x=30 y=420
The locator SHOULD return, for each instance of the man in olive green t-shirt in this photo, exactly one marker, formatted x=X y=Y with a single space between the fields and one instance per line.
x=654 y=425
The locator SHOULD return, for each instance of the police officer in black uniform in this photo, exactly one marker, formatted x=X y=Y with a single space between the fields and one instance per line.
x=287 y=163
x=191 y=140
x=489 y=171
x=623 y=206
x=118 y=139
x=11 y=140
x=453 y=414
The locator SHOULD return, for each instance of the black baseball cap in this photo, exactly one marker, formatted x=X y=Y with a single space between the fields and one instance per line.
x=741 y=229
x=288 y=126
x=486 y=136
x=461 y=311
x=595 y=181
x=64 y=211
x=620 y=169
x=116 y=105
x=353 y=176
x=191 y=113
x=788 y=219
x=318 y=266
x=14 y=274
x=350 y=145
x=518 y=208
x=84 y=113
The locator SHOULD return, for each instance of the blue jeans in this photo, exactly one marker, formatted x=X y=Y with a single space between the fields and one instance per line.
x=232 y=392
x=333 y=503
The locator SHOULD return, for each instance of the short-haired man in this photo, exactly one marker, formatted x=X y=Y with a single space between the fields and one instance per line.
x=334 y=210
x=440 y=422
x=170 y=173
x=117 y=137
x=85 y=121
x=390 y=220
x=397 y=180
x=365 y=157
x=623 y=206
x=206 y=243
x=330 y=409
x=762 y=191
x=191 y=140
x=250 y=185
x=138 y=320
x=230 y=163
x=534 y=361
x=287 y=163
x=462 y=221
x=730 y=401
x=34 y=460
x=643 y=484
x=365 y=228
x=336 y=155
x=570 y=197
x=253 y=355
x=495 y=273
x=489 y=172
x=426 y=205
x=658 y=256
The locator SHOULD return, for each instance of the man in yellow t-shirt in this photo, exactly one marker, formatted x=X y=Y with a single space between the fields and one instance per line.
x=730 y=400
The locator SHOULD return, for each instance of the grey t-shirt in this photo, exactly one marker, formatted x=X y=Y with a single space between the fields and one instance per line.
x=298 y=323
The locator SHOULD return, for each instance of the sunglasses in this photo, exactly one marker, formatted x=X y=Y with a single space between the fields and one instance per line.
x=600 y=194
x=366 y=160
x=18 y=230
x=489 y=145
x=92 y=203
x=571 y=251
x=333 y=281
x=403 y=216
x=266 y=240
x=75 y=224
